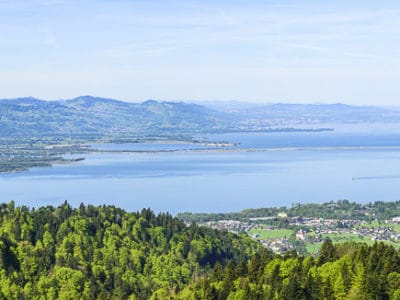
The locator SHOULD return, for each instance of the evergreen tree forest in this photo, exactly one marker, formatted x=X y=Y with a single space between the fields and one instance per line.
x=107 y=253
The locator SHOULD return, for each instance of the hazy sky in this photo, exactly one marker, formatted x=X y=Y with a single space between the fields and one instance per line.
x=265 y=51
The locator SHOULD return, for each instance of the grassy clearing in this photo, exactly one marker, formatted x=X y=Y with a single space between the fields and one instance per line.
x=271 y=234
x=313 y=248
x=344 y=237
x=373 y=224
x=396 y=227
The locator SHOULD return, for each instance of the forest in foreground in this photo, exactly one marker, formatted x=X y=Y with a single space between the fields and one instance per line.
x=107 y=253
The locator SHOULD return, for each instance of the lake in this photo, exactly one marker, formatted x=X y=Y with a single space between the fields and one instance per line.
x=263 y=170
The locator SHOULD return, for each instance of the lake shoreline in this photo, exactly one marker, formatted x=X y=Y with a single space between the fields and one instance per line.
x=213 y=148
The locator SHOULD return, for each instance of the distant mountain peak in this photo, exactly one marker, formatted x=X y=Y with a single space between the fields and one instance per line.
x=89 y=98
x=88 y=101
x=150 y=102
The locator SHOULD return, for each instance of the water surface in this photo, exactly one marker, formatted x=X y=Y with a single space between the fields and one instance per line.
x=297 y=167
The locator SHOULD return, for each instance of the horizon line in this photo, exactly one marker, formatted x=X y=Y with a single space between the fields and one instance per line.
x=202 y=102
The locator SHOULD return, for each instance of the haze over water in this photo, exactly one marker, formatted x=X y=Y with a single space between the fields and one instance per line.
x=264 y=170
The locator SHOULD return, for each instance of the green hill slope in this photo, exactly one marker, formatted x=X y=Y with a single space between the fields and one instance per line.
x=105 y=252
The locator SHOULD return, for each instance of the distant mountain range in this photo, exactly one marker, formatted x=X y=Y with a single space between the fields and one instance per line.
x=308 y=113
x=87 y=115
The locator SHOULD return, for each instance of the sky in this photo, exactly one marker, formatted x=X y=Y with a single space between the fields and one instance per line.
x=294 y=51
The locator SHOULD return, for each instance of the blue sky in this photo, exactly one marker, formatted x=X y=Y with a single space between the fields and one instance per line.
x=262 y=51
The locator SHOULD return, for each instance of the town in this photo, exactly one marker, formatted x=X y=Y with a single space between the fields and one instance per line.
x=305 y=235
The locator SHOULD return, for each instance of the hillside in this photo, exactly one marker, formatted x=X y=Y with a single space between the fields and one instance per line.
x=106 y=253
x=89 y=116
x=104 y=117
x=295 y=114
x=342 y=209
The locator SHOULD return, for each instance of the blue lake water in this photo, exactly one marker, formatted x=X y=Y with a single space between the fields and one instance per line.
x=265 y=169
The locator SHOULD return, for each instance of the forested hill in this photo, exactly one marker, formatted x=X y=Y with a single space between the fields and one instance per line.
x=342 y=209
x=106 y=253
x=343 y=272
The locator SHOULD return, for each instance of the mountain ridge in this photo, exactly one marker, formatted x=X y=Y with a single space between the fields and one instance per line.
x=103 y=116
x=98 y=116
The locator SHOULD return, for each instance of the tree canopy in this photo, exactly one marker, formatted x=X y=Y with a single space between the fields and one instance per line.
x=107 y=253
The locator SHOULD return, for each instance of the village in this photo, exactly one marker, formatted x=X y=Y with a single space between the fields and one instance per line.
x=309 y=233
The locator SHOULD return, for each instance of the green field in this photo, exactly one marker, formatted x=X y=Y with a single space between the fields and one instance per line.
x=373 y=224
x=345 y=237
x=271 y=234
x=313 y=248
x=396 y=227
